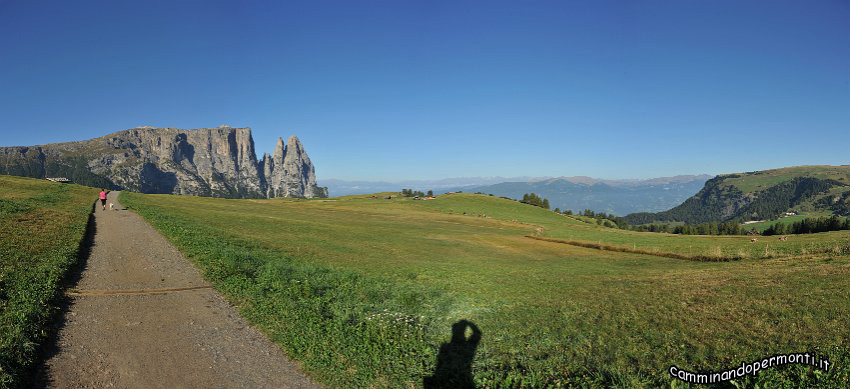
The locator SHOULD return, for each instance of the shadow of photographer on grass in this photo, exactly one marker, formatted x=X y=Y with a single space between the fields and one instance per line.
x=454 y=360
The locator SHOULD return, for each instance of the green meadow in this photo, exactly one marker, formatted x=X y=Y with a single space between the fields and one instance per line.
x=41 y=227
x=364 y=291
x=720 y=248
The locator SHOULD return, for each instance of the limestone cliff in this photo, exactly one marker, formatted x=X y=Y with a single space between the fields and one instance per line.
x=218 y=162
x=292 y=172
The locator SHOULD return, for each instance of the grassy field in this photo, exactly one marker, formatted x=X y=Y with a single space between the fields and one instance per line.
x=41 y=227
x=364 y=291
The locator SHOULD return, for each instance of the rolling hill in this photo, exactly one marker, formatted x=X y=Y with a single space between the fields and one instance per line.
x=762 y=195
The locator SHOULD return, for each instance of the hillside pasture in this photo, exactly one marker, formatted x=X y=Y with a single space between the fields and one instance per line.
x=756 y=181
x=363 y=291
x=551 y=225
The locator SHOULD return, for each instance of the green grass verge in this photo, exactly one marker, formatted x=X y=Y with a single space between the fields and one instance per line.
x=363 y=292
x=41 y=227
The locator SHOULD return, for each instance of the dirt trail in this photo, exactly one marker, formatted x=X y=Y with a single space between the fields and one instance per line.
x=180 y=335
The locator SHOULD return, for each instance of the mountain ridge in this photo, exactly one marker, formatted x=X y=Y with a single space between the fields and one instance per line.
x=619 y=197
x=339 y=187
x=761 y=195
x=217 y=162
x=586 y=180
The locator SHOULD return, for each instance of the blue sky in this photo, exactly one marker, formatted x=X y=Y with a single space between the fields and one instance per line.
x=384 y=90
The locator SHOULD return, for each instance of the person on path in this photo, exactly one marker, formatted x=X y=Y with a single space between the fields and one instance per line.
x=103 y=193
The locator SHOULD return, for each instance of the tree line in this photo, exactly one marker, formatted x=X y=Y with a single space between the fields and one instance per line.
x=613 y=221
x=809 y=226
x=805 y=226
x=730 y=228
x=416 y=193
x=534 y=199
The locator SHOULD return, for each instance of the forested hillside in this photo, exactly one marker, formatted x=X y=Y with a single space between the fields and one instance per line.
x=761 y=195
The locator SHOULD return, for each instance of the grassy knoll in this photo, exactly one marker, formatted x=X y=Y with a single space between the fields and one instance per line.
x=363 y=292
x=41 y=226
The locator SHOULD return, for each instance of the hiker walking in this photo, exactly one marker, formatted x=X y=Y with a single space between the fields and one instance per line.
x=103 y=193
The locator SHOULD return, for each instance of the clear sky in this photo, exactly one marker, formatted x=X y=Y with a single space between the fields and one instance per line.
x=383 y=90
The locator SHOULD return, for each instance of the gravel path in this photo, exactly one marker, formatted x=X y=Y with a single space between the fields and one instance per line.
x=182 y=339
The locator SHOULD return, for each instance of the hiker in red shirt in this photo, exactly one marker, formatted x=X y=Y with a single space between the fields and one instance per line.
x=103 y=193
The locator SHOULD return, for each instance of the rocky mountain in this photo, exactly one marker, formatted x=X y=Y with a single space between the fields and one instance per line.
x=761 y=195
x=619 y=197
x=219 y=162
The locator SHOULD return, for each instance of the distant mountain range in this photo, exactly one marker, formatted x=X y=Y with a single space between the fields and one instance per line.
x=345 y=188
x=762 y=195
x=619 y=197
